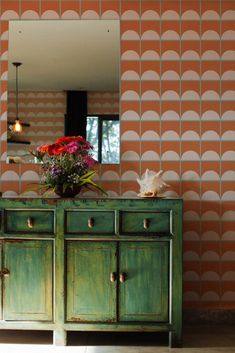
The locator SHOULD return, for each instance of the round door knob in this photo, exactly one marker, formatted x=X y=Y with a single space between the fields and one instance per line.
x=5 y=272
x=146 y=223
x=113 y=276
x=91 y=222
x=30 y=222
x=122 y=277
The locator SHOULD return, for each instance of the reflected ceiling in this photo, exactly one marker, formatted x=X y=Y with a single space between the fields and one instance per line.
x=65 y=55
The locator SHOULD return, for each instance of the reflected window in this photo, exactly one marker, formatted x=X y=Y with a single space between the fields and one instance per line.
x=103 y=133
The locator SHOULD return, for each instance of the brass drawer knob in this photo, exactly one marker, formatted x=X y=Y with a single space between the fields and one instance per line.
x=122 y=277
x=5 y=272
x=90 y=222
x=146 y=223
x=113 y=276
x=30 y=222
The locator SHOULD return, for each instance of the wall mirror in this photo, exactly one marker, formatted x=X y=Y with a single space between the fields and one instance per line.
x=68 y=84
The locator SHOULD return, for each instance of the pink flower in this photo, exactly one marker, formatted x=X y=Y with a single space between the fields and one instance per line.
x=71 y=147
x=89 y=161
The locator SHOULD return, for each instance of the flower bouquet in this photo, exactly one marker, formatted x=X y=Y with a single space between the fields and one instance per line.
x=67 y=166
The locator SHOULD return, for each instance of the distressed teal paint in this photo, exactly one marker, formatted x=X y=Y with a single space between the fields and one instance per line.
x=144 y=296
x=1 y=280
x=136 y=223
x=17 y=221
x=60 y=268
x=91 y=296
x=90 y=222
x=28 y=287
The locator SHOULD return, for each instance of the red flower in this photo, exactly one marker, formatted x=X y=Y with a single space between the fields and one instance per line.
x=66 y=144
x=82 y=143
x=67 y=139
x=43 y=148
x=55 y=148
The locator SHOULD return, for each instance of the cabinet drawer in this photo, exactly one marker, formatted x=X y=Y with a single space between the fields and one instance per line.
x=29 y=221
x=145 y=223
x=90 y=222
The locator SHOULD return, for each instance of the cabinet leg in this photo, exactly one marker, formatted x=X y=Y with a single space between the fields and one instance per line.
x=60 y=337
x=175 y=341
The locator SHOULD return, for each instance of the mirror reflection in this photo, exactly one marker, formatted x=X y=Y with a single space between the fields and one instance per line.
x=68 y=84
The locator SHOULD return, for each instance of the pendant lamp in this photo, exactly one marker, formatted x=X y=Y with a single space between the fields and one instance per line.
x=17 y=126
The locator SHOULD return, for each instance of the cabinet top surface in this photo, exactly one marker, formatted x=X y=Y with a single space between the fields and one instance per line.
x=93 y=203
x=88 y=198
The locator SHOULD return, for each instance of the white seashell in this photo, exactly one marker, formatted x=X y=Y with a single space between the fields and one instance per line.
x=152 y=185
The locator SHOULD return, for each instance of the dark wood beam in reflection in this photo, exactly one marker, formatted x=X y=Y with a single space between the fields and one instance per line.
x=75 y=119
x=19 y=142
x=23 y=124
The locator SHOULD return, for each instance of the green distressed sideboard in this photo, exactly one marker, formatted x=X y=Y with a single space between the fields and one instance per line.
x=103 y=264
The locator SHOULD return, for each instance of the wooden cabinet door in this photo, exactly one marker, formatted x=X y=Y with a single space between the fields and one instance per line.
x=0 y=280
x=28 y=287
x=144 y=292
x=91 y=296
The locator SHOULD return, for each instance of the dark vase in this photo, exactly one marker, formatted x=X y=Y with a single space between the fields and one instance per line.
x=68 y=192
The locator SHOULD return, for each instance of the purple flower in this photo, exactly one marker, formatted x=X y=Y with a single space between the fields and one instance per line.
x=55 y=171
x=72 y=147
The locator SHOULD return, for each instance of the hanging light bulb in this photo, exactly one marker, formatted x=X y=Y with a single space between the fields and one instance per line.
x=17 y=127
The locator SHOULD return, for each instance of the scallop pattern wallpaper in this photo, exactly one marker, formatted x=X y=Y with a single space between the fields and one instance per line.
x=177 y=113
x=44 y=111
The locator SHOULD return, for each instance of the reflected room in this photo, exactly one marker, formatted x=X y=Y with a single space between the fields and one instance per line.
x=67 y=84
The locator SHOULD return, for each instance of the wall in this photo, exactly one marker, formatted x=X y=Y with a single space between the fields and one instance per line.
x=44 y=111
x=102 y=103
x=177 y=114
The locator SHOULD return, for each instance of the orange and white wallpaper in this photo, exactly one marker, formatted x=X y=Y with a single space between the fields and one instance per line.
x=177 y=113
x=102 y=102
x=44 y=111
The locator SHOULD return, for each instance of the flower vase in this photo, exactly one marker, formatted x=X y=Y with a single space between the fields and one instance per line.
x=68 y=192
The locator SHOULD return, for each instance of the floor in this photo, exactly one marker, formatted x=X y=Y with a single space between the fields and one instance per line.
x=196 y=339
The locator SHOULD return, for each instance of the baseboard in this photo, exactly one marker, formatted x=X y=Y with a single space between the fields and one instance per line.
x=215 y=316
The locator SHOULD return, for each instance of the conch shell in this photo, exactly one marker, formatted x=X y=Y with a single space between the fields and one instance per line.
x=152 y=185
